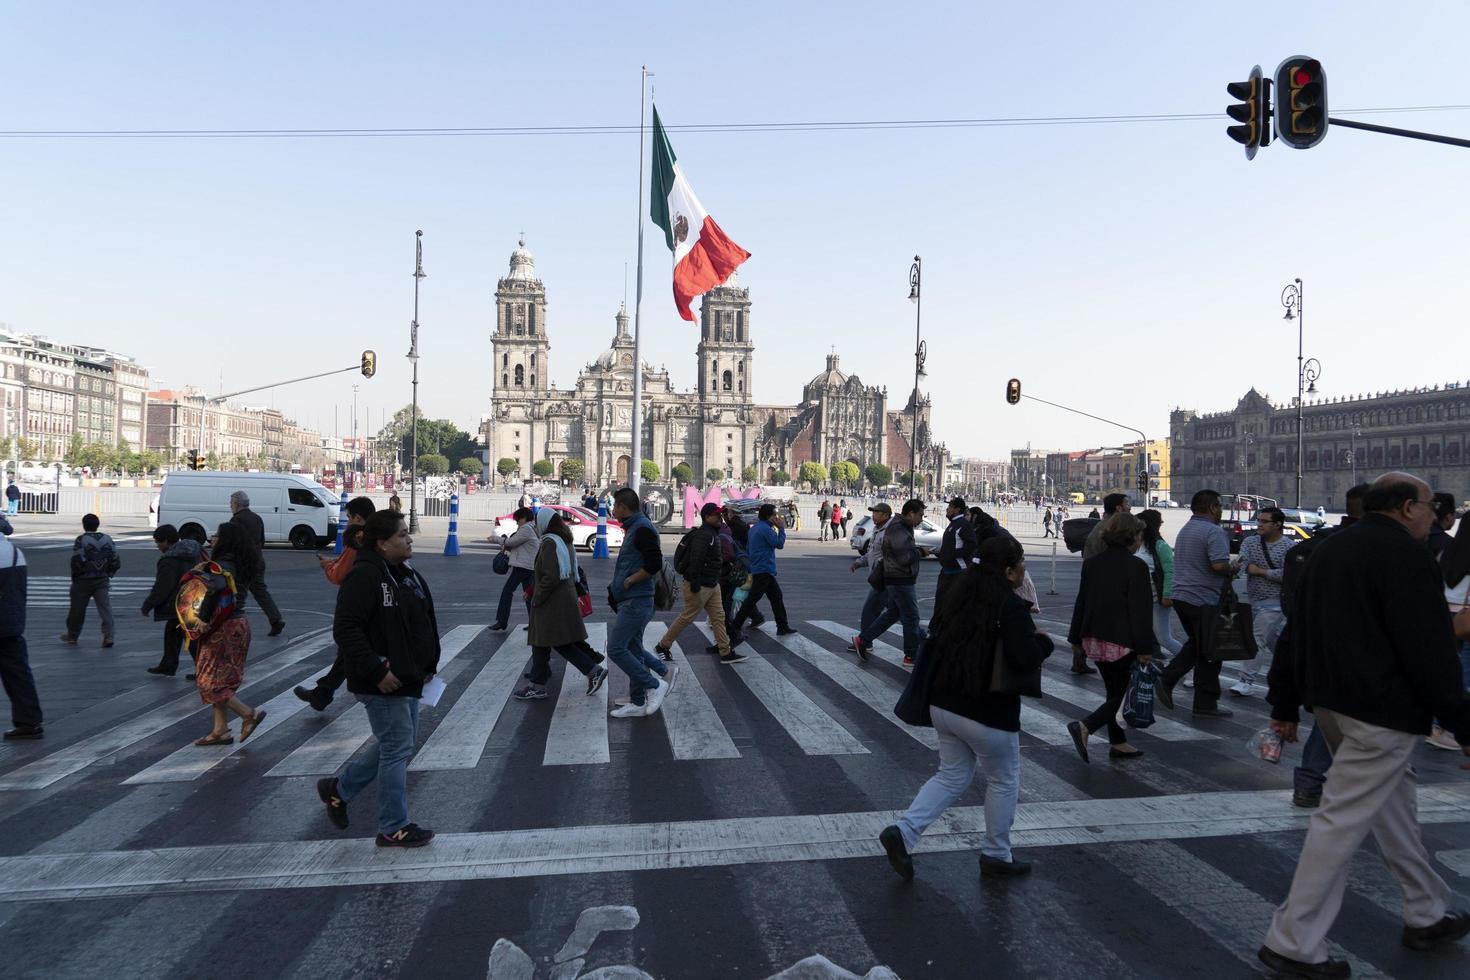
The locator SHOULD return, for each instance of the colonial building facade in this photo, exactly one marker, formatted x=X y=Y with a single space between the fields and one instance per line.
x=1253 y=447
x=717 y=426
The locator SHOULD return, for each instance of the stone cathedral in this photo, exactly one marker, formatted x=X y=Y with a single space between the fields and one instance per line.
x=717 y=426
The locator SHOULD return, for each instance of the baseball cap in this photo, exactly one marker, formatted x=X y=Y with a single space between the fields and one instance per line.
x=880 y=508
x=709 y=509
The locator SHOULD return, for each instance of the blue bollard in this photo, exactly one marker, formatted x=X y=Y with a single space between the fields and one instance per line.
x=451 y=543
x=342 y=522
x=599 y=546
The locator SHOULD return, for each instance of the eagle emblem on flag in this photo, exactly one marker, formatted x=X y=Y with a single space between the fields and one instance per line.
x=681 y=229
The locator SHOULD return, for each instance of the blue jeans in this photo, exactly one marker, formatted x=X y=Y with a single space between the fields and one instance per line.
x=872 y=606
x=964 y=744
x=12 y=506
x=516 y=578
x=395 y=722
x=902 y=606
x=625 y=647
x=1316 y=760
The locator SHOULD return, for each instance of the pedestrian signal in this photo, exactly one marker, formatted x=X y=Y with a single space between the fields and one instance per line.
x=369 y=363
x=1301 y=108
x=1013 y=391
x=1252 y=111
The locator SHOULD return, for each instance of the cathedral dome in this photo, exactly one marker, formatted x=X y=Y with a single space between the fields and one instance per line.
x=522 y=265
x=830 y=378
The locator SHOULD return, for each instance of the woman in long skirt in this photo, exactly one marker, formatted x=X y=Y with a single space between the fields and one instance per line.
x=224 y=636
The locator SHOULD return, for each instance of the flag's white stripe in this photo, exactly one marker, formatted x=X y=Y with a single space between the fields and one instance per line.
x=683 y=202
x=870 y=687
x=325 y=752
x=45 y=771
x=578 y=734
x=459 y=739
x=695 y=730
x=661 y=846
x=1034 y=721
x=812 y=728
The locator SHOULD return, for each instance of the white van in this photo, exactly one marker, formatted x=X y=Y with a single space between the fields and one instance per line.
x=292 y=507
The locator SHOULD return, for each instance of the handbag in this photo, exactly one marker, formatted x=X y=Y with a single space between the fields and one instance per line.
x=584 y=594
x=1006 y=679
x=1138 y=699
x=913 y=703
x=1227 y=633
x=500 y=564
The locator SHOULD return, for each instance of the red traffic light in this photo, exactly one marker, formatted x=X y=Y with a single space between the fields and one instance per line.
x=1302 y=77
x=1301 y=104
x=1013 y=390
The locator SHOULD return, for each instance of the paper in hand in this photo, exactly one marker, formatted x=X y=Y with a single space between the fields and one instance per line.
x=433 y=691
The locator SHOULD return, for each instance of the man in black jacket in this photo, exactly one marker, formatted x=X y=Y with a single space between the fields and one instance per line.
x=388 y=636
x=1374 y=657
x=700 y=566
x=956 y=549
x=15 y=664
x=178 y=556
x=249 y=522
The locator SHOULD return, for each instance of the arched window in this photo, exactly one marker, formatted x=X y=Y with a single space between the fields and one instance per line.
x=714 y=384
x=505 y=360
x=740 y=367
x=728 y=380
x=520 y=376
x=533 y=360
x=533 y=381
x=740 y=385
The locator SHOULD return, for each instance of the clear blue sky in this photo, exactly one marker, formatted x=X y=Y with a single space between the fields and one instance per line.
x=1125 y=269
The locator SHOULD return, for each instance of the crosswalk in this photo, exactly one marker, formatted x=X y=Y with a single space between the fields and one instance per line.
x=806 y=686
x=54 y=591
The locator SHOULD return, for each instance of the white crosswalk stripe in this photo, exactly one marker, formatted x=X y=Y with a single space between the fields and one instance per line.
x=694 y=727
x=54 y=591
x=578 y=733
x=459 y=739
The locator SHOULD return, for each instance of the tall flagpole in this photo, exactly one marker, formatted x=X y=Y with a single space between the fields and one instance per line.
x=635 y=466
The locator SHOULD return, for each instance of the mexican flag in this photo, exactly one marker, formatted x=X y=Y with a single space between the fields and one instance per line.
x=704 y=256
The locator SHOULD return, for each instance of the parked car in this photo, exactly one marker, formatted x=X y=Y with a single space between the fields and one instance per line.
x=579 y=520
x=928 y=536
x=292 y=507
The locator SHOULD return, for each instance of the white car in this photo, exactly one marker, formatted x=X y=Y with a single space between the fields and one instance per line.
x=927 y=536
x=580 y=521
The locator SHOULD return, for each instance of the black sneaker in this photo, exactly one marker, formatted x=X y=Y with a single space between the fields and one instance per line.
x=735 y=640
x=666 y=655
x=733 y=658
x=788 y=631
x=1307 y=801
x=164 y=671
x=1455 y=925
x=1215 y=712
x=898 y=855
x=595 y=679
x=1285 y=966
x=24 y=731
x=996 y=868
x=336 y=807
x=409 y=835
x=277 y=628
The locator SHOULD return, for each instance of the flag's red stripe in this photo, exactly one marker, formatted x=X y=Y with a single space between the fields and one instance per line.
x=708 y=264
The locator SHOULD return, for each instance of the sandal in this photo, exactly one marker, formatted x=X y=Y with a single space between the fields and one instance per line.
x=213 y=739
x=248 y=725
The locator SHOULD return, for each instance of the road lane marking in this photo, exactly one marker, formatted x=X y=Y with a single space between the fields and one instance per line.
x=578 y=734
x=654 y=846
x=694 y=728
x=459 y=739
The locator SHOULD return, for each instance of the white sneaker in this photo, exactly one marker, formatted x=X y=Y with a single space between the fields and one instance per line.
x=654 y=699
x=630 y=711
x=1189 y=681
x=1442 y=739
x=1242 y=689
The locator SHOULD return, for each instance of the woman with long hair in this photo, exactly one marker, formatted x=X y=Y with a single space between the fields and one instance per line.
x=556 y=620
x=1159 y=558
x=982 y=618
x=222 y=633
x=1112 y=626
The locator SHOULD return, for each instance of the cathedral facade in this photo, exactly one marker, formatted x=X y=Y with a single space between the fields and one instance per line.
x=716 y=426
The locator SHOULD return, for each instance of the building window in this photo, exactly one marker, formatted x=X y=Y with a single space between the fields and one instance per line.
x=728 y=380
x=531 y=318
x=520 y=376
x=505 y=360
x=505 y=380
x=533 y=381
x=533 y=360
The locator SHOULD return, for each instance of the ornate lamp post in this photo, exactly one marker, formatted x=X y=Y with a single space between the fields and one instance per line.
x=1307 y=372
x=915 y=277
x=413 y=355
x=1356 y=431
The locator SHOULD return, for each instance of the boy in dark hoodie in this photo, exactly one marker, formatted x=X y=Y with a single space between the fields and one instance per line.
x=179 y=555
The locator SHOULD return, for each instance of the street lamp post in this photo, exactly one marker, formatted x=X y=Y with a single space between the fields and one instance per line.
x=915 y=294
x=413 y=356
x=1307 y=372
x=1353 y=450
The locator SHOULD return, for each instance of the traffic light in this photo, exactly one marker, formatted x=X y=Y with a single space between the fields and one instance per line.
x=1013 y=391
x=1301 y=107
x=195 y=460
x=369 y=363
x=1252 y=111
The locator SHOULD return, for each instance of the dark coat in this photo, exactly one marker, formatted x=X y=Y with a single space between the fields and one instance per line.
x=958 y=545
x=1115 y=602
x=702 y=557
x=378 y=619
x=555 y=618
x=250 y=523
x=900 y=555
x=172 y=565
x=12 y=589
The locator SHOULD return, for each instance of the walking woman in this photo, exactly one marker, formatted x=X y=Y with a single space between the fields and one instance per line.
x=1159 y=558
x=982 y=618
x=1454 y=561
x=556 y=620
x=521 y=548
x=214 y=593
x=1112 y=625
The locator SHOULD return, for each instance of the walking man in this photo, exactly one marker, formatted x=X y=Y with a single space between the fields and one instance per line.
x=12 y=498
x=1374 y=657
x=1264 y=556
x=824 y=518
x=956 y=548
x=1201 y=566
x=872 y=557
x=359 y=509
x=846 y=516
x=15 y=664
x=177 y=556
x=900 y=557
x=249 y=522
x=630 y=596
x=1046 y=524
x=700 y=567
x=766 y=538
x=94 y=562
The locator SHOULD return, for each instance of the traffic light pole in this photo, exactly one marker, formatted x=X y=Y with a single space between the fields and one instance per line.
x=1391 y=131
x=1142 y=471
x=204 y=405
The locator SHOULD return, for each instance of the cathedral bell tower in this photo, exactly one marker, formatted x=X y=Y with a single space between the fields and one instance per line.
x=725 y=347
x=520 y=348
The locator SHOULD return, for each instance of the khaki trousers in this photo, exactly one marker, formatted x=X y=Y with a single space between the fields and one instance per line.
x=706 y=600
x=1369 y=788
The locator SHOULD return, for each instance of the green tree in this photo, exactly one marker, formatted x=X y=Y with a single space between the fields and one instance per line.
x=27 y=448
x=845 y=473
x=7 y=447
x=813 y=472
x=433 y=464
x=505 y=466
x=683 y=473
x=879 y=475
x=75 y=450
x=573 y=469
x=714 y=474
x=439 y=437
x=781 y=478
x=149 y=461
x=648 y=470
x=750 y=474
x=471 y=466
x=542 y=468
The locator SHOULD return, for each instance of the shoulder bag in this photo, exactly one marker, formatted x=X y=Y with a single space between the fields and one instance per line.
x=1226 y=632
x=1004 y=678
x=913 y=704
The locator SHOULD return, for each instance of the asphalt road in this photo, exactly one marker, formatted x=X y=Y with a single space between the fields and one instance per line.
x=734 y=835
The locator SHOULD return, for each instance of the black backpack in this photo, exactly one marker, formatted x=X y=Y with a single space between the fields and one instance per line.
x=1295 y=564
x=681 y=553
